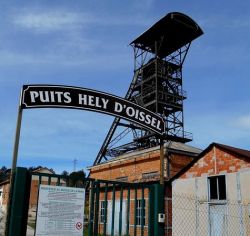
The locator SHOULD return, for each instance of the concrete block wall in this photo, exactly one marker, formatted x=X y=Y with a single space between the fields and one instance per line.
x=5 y=195
x=217 y=162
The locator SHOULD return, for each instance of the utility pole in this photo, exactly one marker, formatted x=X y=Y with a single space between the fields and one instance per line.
x=74 y=163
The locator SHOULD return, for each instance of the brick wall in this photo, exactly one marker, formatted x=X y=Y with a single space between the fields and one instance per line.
x=168 y=209
x=178 y=162
x=5 y=194
x=217 y=161
x=34 y=190
x=134 y=167
x=131 y=167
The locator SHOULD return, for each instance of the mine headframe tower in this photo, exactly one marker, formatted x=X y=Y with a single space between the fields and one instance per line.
x=159 y=54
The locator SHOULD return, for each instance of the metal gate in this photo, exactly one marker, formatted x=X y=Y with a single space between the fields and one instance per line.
x=111 y=207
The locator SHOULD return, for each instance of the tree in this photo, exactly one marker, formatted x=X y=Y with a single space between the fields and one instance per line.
x=3 y=168
x=2 y=176
x=76 y=179
x=65 y=173
x=3 y=173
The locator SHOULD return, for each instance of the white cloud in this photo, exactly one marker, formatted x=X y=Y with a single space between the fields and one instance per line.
x=224 y=21
x=44 y=22
x=71 y=46
x=221 y=127
x=243 y=122
x=63 y=57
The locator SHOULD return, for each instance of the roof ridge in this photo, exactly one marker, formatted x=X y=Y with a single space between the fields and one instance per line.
x=237 y=150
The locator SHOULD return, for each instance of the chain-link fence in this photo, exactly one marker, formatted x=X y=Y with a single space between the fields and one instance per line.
x=192 y=216
x=2 y=221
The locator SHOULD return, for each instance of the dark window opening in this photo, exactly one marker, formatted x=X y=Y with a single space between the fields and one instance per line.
x=217 y=187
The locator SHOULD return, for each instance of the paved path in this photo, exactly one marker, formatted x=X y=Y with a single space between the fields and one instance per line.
x=30 y=231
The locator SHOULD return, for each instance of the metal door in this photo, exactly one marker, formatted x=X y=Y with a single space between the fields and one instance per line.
x=217 y=219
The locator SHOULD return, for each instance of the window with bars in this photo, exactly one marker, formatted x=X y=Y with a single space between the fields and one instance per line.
x=102 y=211
x=150 y=174
x=217 y=187
x=122 y=179
x=140 y=212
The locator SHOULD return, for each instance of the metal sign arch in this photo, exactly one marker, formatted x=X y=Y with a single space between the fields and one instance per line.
x=57 y=96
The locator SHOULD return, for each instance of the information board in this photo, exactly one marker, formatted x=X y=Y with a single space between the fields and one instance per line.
x=60 y=211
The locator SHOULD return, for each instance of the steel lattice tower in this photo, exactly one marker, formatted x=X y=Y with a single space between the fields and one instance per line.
x=159 y=54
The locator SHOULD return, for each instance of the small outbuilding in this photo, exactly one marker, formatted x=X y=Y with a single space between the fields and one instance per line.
x=212 y=193
x=5 y=185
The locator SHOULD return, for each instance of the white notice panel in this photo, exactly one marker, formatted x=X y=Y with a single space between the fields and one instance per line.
x=60 y=211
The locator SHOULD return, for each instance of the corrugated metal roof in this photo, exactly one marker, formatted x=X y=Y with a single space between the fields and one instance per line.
x=183 y=147
x=171 y=146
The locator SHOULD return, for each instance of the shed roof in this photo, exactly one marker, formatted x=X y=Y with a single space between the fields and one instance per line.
x=170 y=146
x=4 y=182
x=237 y=151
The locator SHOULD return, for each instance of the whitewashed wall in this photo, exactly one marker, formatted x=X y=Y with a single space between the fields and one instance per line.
x=193 y=215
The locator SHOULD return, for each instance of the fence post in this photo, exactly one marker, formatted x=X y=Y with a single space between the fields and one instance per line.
x=19 y=203
x=91 y=209
x=158 y=200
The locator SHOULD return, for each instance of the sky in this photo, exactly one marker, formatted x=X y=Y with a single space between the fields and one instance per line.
x=86 y=44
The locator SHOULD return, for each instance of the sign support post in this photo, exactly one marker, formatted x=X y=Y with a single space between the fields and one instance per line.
x=56 y=96
x=159 y=226
x=17 y=138
x=14 y=164
x=161 y=161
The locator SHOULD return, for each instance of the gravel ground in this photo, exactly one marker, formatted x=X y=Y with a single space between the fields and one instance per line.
x=30 y=231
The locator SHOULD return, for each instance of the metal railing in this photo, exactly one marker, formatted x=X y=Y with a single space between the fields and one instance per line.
x=111 y=207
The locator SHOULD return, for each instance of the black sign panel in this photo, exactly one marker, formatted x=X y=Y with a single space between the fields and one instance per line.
x=55 y=96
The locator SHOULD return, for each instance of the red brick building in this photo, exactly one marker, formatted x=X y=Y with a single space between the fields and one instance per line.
x=144 y=165
x=4 y=188
x=139 y=166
